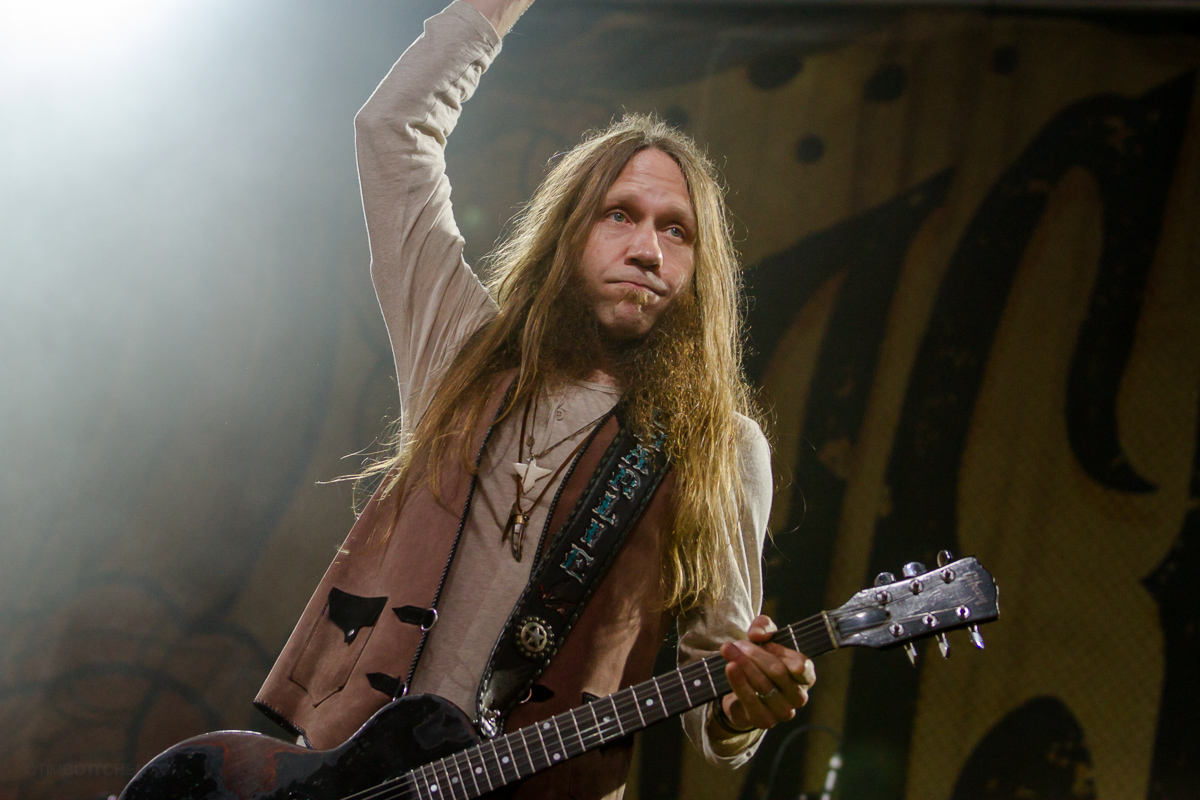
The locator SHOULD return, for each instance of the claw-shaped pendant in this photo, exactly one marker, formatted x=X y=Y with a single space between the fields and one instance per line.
x=514 y=531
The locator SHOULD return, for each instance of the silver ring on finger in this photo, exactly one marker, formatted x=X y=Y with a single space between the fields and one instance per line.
x=765 y=696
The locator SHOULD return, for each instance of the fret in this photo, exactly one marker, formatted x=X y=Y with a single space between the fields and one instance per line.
x=607 y=721
x=693 y=681
x=565 y=722
x=684 y=680
x=469 y=771
x=410 y=788
x=557 y=751
x=520 y=748
x=631 y=700
x=458 y=778
x=716 y=669
x=479 y=770
x=422 y=780
x=435 y=785
x=654 y=706
x=442 y=785
x=595 y=726
x=810 y=636
x=431 y=782
x=637 y=706
x=537 y=728
x=578 y=732
x=678 y=697
x=538 y=746
x=494 y=768
x=507 y=761
x=563 y=736
x=612 y=701
x=681 y=690
x=666 y=700
x=412 y=784
x=712 y=684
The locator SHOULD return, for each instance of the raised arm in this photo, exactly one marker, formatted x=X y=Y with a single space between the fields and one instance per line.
x=501 y=13
x=430 y=298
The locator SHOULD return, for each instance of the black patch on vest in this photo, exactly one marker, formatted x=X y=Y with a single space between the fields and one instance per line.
x=352 y=613
x=382 y=682
x=415 y=615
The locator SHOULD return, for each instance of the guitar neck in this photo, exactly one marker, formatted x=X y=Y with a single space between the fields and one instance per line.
x=518 y=755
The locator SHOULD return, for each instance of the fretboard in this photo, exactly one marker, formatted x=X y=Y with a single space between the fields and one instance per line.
x=488 y=766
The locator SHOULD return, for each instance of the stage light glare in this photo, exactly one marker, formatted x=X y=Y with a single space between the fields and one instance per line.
x=40 y=32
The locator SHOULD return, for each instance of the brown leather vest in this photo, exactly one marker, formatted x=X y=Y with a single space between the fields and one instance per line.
x=319 y=685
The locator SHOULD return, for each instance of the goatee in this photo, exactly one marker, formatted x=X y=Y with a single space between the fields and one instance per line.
x=657 y=373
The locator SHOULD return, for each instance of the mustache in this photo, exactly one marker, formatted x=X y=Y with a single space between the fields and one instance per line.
x=640 y=297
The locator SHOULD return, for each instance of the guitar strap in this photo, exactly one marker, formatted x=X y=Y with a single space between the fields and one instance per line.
x=570 y=570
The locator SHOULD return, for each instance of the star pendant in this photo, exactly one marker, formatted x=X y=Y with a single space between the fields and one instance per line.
x=530 y=474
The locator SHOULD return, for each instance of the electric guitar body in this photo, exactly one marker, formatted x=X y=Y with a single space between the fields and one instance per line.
x=402 y=736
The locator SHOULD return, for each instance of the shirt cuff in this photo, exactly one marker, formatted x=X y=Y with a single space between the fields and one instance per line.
x=475 y=18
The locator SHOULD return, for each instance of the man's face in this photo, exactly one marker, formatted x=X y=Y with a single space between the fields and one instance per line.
x=639 y=254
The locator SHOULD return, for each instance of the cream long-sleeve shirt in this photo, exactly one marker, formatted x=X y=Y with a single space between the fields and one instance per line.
x=431 y=302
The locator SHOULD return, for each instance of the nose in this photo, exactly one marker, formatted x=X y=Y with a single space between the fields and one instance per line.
x=644 y=249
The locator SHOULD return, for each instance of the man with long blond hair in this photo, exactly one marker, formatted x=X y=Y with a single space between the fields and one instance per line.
x=612 y=306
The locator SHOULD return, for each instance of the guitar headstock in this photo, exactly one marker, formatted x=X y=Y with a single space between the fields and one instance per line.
x=958 y=594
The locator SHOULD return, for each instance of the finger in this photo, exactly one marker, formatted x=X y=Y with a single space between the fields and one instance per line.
x=800 y=668
x=753 y=689
x=761 y=711
x=762 y=629
x=778 y=705
x=767 y=671
x=810 y=674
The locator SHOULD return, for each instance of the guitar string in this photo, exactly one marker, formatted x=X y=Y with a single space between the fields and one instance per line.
x=626 y=703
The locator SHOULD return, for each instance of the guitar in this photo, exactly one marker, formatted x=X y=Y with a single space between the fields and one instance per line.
x=423 y=747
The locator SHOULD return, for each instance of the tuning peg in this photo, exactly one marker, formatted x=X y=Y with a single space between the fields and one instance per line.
x=943 y=644
x=910 y=650
x=944 y=557
x=913 y=568
x=976 y=636
x=884 y=578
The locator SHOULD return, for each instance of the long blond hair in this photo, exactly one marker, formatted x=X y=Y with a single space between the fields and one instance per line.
x=533 y=268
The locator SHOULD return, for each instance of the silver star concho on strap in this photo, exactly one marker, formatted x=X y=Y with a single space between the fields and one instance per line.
x=534 y=637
